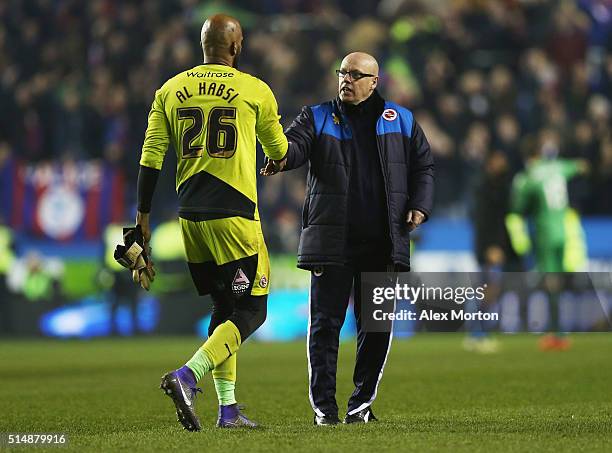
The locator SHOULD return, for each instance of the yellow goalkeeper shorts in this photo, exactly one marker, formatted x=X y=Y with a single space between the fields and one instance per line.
x=228 y=255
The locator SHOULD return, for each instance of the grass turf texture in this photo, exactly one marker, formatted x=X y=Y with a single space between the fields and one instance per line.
x=434 y=396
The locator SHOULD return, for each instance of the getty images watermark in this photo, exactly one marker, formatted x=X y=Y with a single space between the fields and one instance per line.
x=507 y=302
x=423 y=294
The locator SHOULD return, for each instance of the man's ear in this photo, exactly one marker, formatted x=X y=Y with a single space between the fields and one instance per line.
x=374 y=82
x=234 y=48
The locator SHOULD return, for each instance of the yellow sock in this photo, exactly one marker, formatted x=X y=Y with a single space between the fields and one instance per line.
x=223 y=343
x=226 y=370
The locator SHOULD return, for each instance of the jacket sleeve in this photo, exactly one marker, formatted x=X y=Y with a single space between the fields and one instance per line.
x=421 y=172
x=301 y=136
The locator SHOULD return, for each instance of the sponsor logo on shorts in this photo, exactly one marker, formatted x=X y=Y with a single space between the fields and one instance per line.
x=389 y=114
x=263 y=281
x=317 y=271
x=241 y=282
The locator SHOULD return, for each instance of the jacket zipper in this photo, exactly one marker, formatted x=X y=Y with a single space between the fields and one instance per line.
x=383 y=168
x=346 y=124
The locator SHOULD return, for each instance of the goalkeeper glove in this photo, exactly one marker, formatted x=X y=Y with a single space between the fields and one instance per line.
x=134 y=255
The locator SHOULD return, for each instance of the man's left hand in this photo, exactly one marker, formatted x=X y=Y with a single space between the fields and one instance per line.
x=414 y=218
x=142 y=219
x=145 y=276
x=135 y=253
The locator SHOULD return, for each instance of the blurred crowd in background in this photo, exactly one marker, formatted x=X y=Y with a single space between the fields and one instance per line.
x=486 y=79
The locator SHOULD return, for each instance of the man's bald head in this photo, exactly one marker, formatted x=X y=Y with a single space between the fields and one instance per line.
x=221 y=40
x=363 y=61
x=354 y=90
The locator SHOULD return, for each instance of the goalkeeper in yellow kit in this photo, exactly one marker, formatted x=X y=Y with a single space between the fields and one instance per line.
x=212 y=115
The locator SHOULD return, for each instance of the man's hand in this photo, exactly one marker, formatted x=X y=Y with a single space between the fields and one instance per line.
x=273 y=167
x=134 y=254
x=145 y=276
x=142 y=219
x=414 y=218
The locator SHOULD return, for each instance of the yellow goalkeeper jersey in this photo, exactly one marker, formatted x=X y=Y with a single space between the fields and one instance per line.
x=212 y=115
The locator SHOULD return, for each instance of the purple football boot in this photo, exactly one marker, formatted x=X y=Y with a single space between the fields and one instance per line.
x=231 y=417
x=180 y=385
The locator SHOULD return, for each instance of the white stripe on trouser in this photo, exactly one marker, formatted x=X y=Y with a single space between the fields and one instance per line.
x=364 y=405
x=315 y=408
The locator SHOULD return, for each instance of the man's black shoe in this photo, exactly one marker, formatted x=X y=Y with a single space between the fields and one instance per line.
x=363 y=416
x=326 y=420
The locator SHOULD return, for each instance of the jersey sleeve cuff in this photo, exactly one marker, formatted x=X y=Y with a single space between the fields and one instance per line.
x=279 y=153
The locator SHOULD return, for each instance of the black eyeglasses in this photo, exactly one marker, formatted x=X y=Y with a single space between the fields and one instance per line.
x=355 y=75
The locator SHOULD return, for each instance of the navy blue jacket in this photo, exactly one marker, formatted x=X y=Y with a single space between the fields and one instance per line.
x=322 y=136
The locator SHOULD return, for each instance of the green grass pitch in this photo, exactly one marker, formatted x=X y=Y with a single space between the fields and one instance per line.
x=434 y=397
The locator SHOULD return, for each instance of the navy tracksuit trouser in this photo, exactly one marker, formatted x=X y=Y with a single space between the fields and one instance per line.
x=330 y=291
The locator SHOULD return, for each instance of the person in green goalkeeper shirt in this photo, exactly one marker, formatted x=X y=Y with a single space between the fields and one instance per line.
x=539 y=193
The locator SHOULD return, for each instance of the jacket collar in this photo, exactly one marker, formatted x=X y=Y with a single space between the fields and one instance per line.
x=374 y=104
